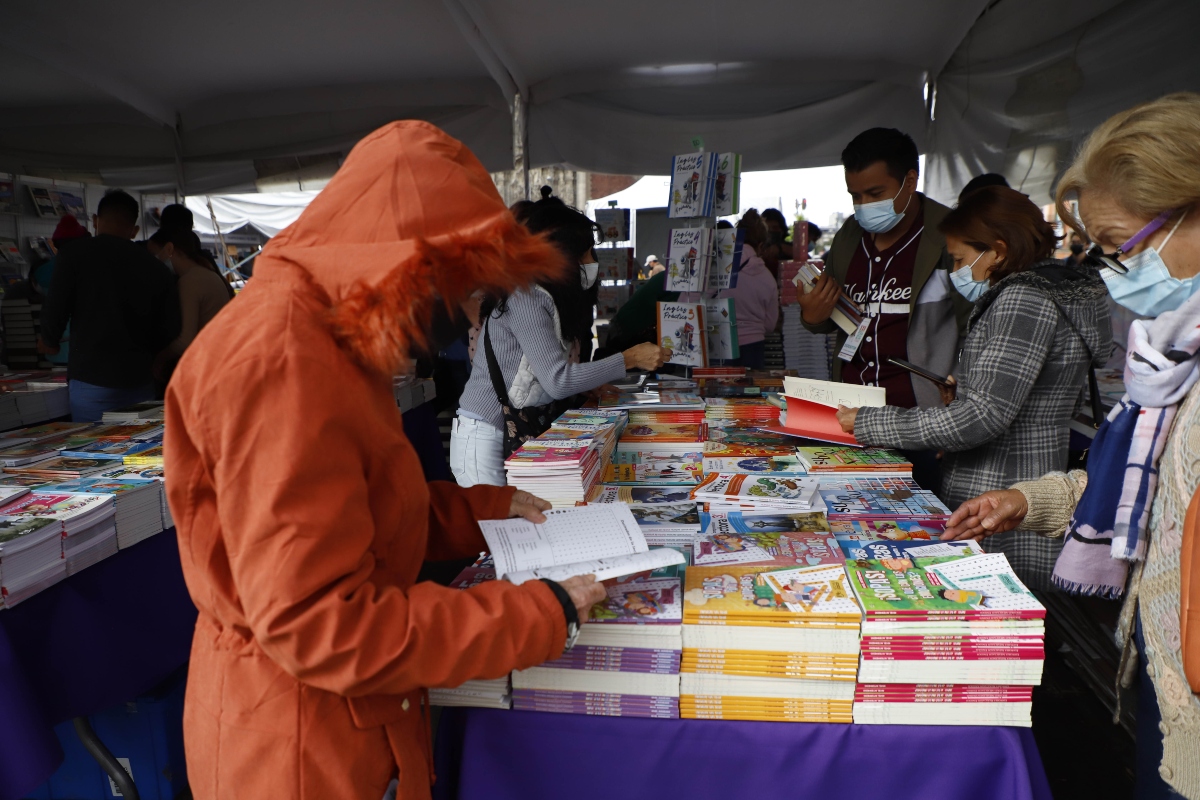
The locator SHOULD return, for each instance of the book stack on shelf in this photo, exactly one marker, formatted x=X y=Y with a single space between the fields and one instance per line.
x=659 y=438
x=769 y=643
x=31 y=557
x=946 y=640
x=138 y=412
x=668 y=524
x=137 y=501
x=60 y=468
x=145 y=473
x=20 y=334
x=776 y=462
x=625 y=663
x=833 y=459
x=566 y=461
x=87 y=523
x=751 y=410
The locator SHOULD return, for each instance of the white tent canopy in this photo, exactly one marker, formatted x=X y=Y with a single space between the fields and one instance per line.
x=219 y=95
x=269 y=213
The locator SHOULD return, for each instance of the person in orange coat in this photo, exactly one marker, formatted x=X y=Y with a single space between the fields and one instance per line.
x=302 y=512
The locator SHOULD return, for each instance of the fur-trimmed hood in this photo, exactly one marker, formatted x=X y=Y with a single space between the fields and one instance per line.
x=409 y=219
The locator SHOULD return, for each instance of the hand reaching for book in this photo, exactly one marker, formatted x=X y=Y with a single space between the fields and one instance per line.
x=817 y=302
x=989 y=513
x=585 y=592
x=846 y=418
x=647 y=356
x=528 y=506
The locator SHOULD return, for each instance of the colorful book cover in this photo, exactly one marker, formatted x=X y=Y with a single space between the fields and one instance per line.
x=60 y=505
x=647 y=601
x=717 y=547
x=693 y=182
x=869 y=529
x=614 y=224
x=760 y=522
x=14 y=528
x=616 y=263
x=681 y=330
x=725 y=450
x=688 y=259
x=667 y=515
x=727 y=258
x=978 y=587
x=840 y=458
x=748 y=436
x=720 y=316
x=778 y=466
x=642 y=495
x=728 y=184
x=48 y=430
x=745 y=592
x=645 y=433
x=732 y=487
x=881 y=549
x=880 y=497
x=116 y=486
x=667 y=470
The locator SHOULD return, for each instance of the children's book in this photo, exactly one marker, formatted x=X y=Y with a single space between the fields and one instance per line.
x=727 y=258
x=840 y=458
x=780 y=466
x=765 y=522
x=681 y=330
x=642 y=495
x=616 y=263
x=742 y=592
x=688 y=259
x=602 y=540
x=819 y=590
x=880 y=497
x=614 y=224
x=661 y=516
x=644 y=601
x=651 y=433
x=720 y=316
x=881 y=549
x=727 y=192
x=976 y=587
x=866 y=528
x=726 y=450
x=717 y=547
x=693 y=184
x=719 y=487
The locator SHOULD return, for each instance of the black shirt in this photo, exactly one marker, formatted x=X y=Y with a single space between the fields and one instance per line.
x=122 y=305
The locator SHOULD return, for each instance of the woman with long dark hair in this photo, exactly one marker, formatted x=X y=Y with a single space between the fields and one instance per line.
x=532 y=352
x=202 y=290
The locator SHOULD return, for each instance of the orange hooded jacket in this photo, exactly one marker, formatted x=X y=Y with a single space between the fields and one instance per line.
x=302 y=512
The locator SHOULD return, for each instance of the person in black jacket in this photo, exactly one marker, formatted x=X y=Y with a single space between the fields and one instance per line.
x=123 y=309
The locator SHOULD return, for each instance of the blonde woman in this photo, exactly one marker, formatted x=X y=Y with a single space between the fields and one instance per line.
x=1137 y=182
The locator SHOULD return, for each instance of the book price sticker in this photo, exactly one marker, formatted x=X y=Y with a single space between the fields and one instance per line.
x=852 y=344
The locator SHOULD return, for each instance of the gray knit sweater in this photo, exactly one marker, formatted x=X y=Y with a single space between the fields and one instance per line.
x=533 y=359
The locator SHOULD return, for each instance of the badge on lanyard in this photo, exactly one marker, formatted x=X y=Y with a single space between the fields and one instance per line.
x=852 y=343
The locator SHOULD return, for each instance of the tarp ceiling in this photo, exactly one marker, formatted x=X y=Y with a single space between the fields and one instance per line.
x=215 y=95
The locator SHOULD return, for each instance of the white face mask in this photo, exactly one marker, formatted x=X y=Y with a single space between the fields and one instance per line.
x=588 y=274
x=1148 y=288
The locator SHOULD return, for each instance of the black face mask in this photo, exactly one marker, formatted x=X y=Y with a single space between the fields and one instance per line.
x=445 y=328
x=1076 y=248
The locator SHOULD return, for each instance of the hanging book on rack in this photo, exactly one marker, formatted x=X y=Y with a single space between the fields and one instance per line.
x=681 y=330
x=616 y=263
x=721 y=322
x=693 y=183
x=727 y=194
x=614 y=223
x=688 y=259
x=727 y=258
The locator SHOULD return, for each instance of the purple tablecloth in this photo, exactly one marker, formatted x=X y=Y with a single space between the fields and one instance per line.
x=528 y=755
x=99 y=638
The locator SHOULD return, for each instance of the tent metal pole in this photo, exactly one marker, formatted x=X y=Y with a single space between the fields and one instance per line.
x=520 y=129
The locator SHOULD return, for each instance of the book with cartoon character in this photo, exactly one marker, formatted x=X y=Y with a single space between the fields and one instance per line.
x=728 y=185
x=927 y=551
x=681 y=330
x=757 y=490
x=720 y=545
x=689 y=257
x=720 y=316
x=880 y=497
x=775 y=465
x=973 y=588
x=679 y=516
x=693 y=185
x=727 y=258
x=614 y=224
x=724 y=594
x=646 y=601
x=875 y=461
x=867 y=528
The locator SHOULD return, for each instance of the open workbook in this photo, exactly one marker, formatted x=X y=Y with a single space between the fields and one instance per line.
x=601 y=540
x=812 y=406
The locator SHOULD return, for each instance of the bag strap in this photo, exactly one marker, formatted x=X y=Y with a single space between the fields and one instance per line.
x=494 y=366
x=1093 y=384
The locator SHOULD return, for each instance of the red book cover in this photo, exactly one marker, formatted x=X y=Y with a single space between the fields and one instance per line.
x=813 y=421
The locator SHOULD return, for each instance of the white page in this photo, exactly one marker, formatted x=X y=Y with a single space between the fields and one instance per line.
x=568 y=535
x=604 y=568
x=833 y=394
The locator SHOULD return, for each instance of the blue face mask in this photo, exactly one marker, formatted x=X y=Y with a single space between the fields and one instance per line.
x=966 y=284
x=1148 y=288
x=880 y=216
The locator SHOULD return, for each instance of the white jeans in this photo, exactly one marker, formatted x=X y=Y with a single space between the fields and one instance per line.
x=476 y=453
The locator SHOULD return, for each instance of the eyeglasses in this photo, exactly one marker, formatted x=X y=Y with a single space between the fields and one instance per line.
x=1096 y=256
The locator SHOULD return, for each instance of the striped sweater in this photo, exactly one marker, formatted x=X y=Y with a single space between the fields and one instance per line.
x=536 y=364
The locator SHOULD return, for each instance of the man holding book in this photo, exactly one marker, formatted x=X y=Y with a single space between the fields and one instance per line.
x=890 y=259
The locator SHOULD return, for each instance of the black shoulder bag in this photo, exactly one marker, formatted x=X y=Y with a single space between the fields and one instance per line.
x=520 y=424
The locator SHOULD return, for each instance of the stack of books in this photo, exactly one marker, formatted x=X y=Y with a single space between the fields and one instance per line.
x=138 y=412
x=766 y=460
x=802 y=539
x=655 y=469
x=26 y=453
x=667 y=524
x=747 y=409
x=20 y=334
x=38 y=403
x=838 y=459
x=42 y=433
x=625 y=663
x=63 y=468
x=769 y=643
x=660 y=439
x=565 y=462
x=946 y=640
x=138 y=504
x=479 y=692
x=728 y=491
x=666 y=406
x=144 y=454
x=85 y=520
x=31 y=557
x=145 y=473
